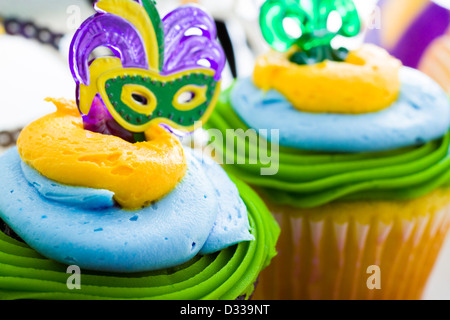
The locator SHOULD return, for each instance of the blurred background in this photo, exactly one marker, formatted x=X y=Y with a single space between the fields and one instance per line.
x=35 y=38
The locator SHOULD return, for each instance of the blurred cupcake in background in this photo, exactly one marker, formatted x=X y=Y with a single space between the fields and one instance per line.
x=361 y=143
x=107 y=182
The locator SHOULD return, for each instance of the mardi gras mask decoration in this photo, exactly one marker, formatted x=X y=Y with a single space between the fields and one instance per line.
x=309 y=19
x=165 y=71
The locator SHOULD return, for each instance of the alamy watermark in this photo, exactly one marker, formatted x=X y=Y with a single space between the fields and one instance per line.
x=374 y=280
x=73 y=17
x=242 y=147
x=74 y=280
x=374 y=21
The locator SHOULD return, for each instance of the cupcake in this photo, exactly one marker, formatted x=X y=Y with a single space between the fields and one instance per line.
x=100 y=199
x=349 y=150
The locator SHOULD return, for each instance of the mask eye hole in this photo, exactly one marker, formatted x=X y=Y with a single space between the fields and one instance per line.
x=139 y=98
x=189 y=97
x=185 y=97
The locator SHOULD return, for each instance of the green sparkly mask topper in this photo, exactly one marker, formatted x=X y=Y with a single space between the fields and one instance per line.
x=305 y=26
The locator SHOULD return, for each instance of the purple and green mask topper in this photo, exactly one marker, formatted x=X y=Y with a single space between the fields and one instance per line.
x=310 y=20
x=166 y=71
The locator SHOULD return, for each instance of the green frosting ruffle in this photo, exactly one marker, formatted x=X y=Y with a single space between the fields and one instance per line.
x=310 y=179
x=226 y=275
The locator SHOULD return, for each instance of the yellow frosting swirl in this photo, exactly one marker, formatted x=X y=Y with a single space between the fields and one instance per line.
x=138 y=173
x=367 y=81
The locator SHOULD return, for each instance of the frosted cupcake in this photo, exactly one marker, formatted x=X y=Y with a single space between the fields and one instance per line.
x=115 y=194
x=362 y=143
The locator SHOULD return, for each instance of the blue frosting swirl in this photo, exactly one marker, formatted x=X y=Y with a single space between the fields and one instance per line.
x=200 y=216
x=84 y=198
x=420 y=114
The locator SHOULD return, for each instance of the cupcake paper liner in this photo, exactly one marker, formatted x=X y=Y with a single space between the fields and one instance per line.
x=329 y=252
